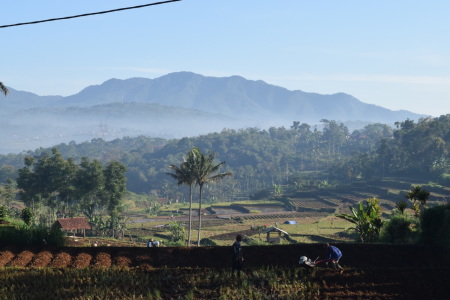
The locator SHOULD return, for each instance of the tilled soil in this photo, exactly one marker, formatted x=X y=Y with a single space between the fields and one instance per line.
x=372 y=271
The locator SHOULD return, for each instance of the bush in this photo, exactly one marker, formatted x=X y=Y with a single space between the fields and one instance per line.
x=398 y=230
x=26 y=235
x=435 y=225
x=3 y=212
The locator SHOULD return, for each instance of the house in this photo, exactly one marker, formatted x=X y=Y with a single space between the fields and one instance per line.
x=275 y=230
x=75 y=225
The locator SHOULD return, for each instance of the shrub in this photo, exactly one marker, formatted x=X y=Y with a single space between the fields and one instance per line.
x=3 y=212
x=25 y=235
x=27 y=215
x=435 y=225
x=398 y=230
x=177 y=232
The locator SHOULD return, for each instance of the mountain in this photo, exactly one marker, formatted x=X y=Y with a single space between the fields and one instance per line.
x=172 y=106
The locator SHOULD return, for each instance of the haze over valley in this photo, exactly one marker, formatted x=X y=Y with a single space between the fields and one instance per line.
x=176 y=105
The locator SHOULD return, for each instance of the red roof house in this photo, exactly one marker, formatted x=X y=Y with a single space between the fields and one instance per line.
x=73 y=224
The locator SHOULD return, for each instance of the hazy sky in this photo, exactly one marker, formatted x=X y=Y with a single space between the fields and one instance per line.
x=395 y=54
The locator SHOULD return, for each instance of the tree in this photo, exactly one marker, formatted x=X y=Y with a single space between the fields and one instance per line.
x=366 y=219
x=28 y=184
x=401 y=206
x=47 y=180
x=418 y=198
x=90 y=181
x=4 y=89
x=204 y=170
x=184 y=174
x=114 y=188
x=9 y=192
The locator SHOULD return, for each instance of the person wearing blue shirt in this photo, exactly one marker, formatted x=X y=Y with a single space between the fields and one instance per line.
x=334 y=255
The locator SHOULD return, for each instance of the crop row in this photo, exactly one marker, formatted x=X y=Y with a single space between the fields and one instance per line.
x=63 y=259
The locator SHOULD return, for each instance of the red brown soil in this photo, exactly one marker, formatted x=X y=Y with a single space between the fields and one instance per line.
x=102 y=260
x=6 y=255
x=372 y=271
x=42 y=259
x=62 y=260
x=22 y=259
x=82 y=260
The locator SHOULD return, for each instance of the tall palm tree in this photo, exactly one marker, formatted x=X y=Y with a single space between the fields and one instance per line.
x=4 y=89
x=184 y=174
x=205 y=168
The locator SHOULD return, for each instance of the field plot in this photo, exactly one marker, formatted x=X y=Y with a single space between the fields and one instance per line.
x=270 y=272
x=313 y=204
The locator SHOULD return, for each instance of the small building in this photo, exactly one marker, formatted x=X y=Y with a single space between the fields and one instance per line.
x=276 y=231
x=75 y=225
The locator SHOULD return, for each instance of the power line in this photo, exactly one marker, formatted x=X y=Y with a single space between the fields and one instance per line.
x=90 y=14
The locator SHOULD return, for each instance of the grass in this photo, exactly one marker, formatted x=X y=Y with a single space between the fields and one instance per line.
x=186 y=283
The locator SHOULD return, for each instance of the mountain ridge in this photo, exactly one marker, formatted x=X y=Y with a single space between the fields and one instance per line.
x=209 y=104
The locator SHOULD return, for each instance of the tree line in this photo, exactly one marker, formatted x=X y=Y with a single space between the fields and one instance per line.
x=297 y=157
x=54 y=187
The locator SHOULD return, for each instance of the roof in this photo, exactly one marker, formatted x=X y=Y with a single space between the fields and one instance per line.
x=274 y=229
x=73 y=223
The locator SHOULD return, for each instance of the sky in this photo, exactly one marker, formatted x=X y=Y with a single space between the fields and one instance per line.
x=395 y=54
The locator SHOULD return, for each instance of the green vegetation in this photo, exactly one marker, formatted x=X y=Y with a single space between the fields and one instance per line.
x=34 y=235
x=435 y=225
x=366 y=218
x=309 y=172
x=51 y=186
x=115 y=283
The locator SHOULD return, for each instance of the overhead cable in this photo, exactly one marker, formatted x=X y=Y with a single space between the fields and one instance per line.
x=90 y=14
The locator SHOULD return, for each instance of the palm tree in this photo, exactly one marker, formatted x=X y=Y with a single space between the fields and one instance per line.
x=418 y=197
x=4 y=89
x=184 y=174
x=203 y=173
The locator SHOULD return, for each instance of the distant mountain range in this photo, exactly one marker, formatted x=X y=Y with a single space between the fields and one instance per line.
x=172 y=106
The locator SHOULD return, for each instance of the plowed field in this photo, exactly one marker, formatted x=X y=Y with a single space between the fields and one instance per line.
x=372 y=271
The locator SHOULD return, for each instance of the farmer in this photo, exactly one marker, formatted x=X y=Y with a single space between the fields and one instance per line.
x=334 y=255
x=237 y=257
x=150 y=243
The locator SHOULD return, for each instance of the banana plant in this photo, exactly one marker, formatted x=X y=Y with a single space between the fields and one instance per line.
x=366 y=218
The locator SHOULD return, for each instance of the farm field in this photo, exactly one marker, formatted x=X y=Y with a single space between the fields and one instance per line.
x=271 y=272
x=314 y=211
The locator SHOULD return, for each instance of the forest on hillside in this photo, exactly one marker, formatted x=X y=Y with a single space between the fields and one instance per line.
x=294 y=158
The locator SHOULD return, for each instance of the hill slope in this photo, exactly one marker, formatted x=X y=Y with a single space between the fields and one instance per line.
x=172 y=106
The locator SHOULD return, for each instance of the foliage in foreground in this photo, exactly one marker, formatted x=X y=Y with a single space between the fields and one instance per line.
x=435 y=225
x=115 y=283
